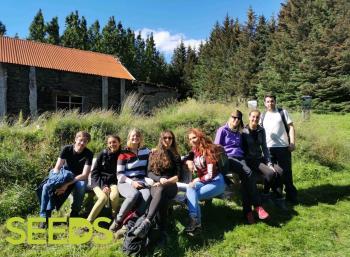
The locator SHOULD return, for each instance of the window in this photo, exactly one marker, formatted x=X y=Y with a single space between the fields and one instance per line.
x=64 y=102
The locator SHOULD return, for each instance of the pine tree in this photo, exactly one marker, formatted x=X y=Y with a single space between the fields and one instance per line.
x=2 y=29
x=139 y=58
x=37 y=28
x=177 y=69
x=52 y=30
x=109 y=37
x=191 y=61
x=95 y=37
x=75 y=34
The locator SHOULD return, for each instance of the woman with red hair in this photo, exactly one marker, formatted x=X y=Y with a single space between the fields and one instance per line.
x=209 y=182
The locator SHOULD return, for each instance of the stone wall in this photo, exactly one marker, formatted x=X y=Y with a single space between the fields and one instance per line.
x=51 y=83
x=153 y=95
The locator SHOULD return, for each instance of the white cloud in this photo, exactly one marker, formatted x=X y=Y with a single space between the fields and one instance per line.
x=167 y=42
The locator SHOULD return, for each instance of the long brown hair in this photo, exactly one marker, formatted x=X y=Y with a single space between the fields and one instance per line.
x=160 y=159
x=206 y=146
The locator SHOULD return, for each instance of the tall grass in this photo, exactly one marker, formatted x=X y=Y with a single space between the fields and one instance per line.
x=29 y=148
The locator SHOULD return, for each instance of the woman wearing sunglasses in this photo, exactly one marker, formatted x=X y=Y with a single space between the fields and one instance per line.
x=164 y=168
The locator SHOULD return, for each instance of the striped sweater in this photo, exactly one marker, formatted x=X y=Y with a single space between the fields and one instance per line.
x=131 y=166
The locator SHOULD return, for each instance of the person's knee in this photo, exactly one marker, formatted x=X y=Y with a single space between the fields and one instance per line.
x=114 y=196
x=46 y=187
x=134 y=197
x=102 y=198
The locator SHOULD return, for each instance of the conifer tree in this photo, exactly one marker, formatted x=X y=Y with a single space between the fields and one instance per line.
x=2 y=29
x=75 y=34
x=37 y=28
x=52 y=31
x=95 y=37
x=110 y=36
x=177 y=69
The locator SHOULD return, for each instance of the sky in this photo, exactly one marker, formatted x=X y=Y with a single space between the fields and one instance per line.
x=170 y=21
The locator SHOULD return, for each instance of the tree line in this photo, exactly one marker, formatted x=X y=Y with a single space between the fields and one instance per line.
x=305 y=50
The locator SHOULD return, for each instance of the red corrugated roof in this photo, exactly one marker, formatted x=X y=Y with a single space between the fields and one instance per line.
x=30 y=53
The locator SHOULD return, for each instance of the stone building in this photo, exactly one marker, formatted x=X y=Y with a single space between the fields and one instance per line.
x=37 y=77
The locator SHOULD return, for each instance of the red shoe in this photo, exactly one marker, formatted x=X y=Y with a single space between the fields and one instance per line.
x=250 y=218
x=262 y=214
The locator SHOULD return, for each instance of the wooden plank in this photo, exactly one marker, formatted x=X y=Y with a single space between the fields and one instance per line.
x=33 y=94
x=3 y=90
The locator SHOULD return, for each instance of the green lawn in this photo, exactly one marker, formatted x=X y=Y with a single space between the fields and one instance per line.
x=317 y=226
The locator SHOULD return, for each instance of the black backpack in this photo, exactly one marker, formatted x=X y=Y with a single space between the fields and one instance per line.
x=132 y=245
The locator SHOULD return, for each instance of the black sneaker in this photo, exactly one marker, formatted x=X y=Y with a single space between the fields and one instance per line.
x=194 y=225
x=115 y=226
x=142 y=230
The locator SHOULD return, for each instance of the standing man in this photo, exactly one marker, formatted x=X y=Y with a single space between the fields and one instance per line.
x=280 y=139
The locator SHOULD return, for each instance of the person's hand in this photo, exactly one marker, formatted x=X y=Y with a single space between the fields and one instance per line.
x=163 y=181
x=190 y=165
x=106 y=190
x=270 y=165
x=193 y=183
x=291 y=147
x=136 y=185
x=61 y=189
x=157 y=184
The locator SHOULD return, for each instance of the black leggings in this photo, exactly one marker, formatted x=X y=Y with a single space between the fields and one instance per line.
x=250 y=195
x=161 y=196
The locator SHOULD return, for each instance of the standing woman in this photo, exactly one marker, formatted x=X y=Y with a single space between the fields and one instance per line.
x=104 y=179
x=209 y=183
x=257 y=154
x=131 y=172
x=164 y=168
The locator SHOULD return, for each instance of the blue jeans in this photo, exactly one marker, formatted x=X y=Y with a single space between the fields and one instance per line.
x=78 y=197
x=203 y=191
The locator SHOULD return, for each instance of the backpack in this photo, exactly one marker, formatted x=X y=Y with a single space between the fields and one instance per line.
x=132 y=245
x=283 y=117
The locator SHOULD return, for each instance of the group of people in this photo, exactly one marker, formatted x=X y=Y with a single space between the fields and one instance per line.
x=147 y=178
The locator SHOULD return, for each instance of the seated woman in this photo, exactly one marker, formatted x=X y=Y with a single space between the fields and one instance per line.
x=164 y=168
x=131 y=172
x=104 y=179
x=230 y=137
x=209 y=183
x=257 y=154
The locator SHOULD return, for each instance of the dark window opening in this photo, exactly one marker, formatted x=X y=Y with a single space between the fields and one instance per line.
x=64 y=102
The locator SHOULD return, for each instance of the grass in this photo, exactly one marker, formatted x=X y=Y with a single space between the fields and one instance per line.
x=321 y=164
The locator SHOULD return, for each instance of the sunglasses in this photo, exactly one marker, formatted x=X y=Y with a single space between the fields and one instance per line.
x=234 y=117
x=170 y=138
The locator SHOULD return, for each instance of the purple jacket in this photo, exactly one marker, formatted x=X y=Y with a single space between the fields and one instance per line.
x=231 y=141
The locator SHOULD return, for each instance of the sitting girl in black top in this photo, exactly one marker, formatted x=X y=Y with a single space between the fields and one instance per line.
x=164 y=168
x=104 y=179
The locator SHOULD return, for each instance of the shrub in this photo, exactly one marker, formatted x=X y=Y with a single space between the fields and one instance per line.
x=17 y=200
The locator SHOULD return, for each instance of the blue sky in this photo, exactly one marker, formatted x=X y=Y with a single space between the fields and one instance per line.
x=170 y=21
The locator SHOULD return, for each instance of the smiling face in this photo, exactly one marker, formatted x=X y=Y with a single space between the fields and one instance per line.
x=194 y=140
x=113 y=144
x=254 y=118
x=135 y=138
x=167 y=140
x=234 y=122
x=80 y=143
x=270 y=103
